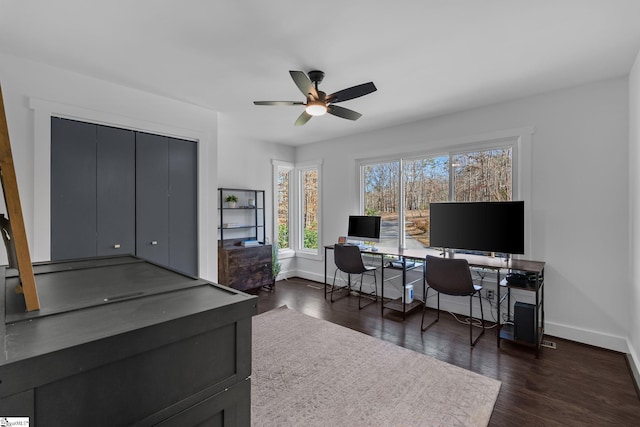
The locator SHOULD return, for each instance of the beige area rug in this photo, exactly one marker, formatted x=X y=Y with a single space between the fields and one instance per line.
x=310 y=372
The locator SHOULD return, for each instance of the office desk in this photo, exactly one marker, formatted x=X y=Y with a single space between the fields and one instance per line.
x=382 y=252
x=505 y=329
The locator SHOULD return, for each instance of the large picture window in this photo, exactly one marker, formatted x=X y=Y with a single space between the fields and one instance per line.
x=400 y=189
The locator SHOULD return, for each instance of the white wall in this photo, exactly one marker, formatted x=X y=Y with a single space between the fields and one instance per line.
x=634 y=201
x=33 y=92
x=247 y=164
x=578 y=201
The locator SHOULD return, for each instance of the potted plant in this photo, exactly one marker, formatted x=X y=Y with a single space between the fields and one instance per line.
x=275 y=265
x=231 y=200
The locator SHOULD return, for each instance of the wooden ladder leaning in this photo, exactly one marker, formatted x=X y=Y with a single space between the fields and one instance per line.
x=17 y=233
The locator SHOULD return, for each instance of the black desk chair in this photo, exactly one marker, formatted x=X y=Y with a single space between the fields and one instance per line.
x=349 y=260
x=451 y=276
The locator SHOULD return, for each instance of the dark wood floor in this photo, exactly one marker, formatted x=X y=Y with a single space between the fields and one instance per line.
x=574 y=384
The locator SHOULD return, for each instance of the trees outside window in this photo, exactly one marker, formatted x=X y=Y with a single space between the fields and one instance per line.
x=400 y=190
x=283 y=179
x=425 y=180
x=381 y=191
x=483 y=176
x=310 y=203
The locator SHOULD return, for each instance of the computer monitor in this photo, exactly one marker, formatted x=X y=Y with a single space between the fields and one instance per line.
x=480 y=226
x=364 y=228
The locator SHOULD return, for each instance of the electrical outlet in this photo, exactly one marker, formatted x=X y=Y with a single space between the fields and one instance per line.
x=489 y=294
x=548 y=344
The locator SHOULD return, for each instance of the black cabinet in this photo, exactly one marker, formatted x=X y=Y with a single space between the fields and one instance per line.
x=116 y=191
x=121 y=341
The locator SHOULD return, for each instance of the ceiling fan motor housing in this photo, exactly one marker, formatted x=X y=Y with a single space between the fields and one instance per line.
x=316 y=76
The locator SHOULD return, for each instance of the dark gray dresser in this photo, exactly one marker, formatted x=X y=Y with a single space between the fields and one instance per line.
x=119 y=341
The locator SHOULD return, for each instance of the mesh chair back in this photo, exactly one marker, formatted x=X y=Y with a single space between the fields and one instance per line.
x=449 y=275
x=348 y=259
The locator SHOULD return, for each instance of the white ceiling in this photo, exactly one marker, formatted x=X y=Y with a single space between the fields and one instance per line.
x=427 y=57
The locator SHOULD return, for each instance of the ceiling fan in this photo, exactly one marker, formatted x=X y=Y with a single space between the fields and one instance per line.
x=318 y=102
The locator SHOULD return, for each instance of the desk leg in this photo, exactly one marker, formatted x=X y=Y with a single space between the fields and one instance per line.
x=498 y=304
x=404 y=287
x=381 y=284
x=325 y=272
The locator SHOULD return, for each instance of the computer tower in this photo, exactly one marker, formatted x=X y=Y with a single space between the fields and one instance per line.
x=524 y=319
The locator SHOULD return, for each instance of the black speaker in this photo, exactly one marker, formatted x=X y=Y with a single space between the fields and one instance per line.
x=524 y=319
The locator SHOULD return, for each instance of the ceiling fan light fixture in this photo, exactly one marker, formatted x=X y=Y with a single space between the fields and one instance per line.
x=318 y=102
x=316 y=108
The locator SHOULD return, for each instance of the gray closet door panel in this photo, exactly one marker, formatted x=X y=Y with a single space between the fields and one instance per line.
x=116 y=191
x=152 y=209
x=183 y=206
x=73 y=189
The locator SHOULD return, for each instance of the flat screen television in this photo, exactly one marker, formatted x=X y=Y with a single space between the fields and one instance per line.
x=366 y=228
x=478 y=226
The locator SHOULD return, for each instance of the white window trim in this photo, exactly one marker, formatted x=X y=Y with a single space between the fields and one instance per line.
x=278 y=166
x=315 y=254
x=296 y=238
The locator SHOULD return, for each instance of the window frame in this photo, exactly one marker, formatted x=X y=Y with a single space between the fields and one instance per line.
x=519 y=140
x=296 y=198
x=299 y=248
x=289 y=168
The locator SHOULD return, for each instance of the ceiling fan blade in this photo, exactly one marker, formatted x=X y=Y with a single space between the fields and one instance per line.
x=303 y=118
x=345 y=113
x=278 y=103
x=304 y=84
x=352 y=92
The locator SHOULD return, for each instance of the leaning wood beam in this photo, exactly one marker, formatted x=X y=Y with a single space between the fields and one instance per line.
x=14 y=211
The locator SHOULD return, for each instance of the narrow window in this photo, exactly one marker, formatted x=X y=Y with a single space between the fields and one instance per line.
x=282 y=207
x=310 y=208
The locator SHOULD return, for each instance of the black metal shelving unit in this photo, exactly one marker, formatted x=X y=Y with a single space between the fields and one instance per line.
x=536 y=285
x=253 y=229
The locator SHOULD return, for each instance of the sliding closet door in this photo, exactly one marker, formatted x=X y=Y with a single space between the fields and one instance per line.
x=152 y=201
x=183 y=205
x=73 y=189
x=116 y=191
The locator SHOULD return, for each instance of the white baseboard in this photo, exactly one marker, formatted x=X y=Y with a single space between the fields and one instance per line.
x=585 y=336
x=632 y=360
